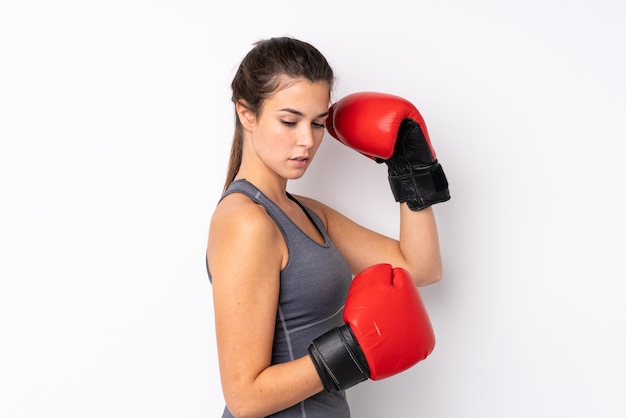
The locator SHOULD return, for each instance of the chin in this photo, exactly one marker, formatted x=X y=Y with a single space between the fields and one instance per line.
x=296 y=176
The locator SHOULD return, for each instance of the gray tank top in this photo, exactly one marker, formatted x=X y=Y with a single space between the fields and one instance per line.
x=313 y=289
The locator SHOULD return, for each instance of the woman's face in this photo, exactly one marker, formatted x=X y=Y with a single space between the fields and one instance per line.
x=289 y=130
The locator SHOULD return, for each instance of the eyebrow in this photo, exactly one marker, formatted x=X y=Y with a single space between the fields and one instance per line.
x=298 y=113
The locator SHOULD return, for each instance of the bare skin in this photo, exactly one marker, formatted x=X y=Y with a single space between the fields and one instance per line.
x=246 y=251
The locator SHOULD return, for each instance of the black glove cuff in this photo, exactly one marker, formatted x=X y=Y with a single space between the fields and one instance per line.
x=419 y=188
x=338 y=359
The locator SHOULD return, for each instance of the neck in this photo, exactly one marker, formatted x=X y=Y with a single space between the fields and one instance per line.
x=257 y=173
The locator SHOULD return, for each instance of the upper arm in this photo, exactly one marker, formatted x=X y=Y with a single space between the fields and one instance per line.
x=417 y=249
x=244 y=256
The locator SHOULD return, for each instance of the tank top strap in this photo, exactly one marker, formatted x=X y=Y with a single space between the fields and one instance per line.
x=246 y=188
x=285 y=224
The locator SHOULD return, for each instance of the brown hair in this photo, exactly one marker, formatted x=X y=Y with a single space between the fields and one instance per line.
x=258 y=77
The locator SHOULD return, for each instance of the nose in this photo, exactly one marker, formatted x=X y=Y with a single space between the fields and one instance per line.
x=306 y=137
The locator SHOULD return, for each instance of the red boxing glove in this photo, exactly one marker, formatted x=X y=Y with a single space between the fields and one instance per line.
x=388 y=318
x=386 y=331
x=390 y=129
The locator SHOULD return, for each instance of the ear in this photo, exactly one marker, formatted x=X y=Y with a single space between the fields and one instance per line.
x=246 y=116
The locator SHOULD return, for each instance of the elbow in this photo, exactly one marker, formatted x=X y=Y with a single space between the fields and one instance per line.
x=240 y=409
x=242 y=406
x=427 y=278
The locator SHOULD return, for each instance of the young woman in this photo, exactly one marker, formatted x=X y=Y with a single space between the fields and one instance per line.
x=282 y=265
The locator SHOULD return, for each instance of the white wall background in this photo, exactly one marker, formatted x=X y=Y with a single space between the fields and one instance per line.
x=115 y=125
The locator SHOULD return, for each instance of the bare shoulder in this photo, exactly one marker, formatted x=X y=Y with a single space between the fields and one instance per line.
x=240 y=230
x=238 y=210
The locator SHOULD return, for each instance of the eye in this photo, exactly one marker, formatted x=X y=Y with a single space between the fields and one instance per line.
x=318 y=125
x=288 y=123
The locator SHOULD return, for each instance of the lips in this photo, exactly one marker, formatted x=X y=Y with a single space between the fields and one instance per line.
x=300 y=162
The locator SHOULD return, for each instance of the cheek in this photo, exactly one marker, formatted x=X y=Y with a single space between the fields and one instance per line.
x=269 y=138
x=318 y=142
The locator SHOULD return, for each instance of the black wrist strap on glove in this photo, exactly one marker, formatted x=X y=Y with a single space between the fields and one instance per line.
x=420 y=188
x=415 y=176
x=338 y=359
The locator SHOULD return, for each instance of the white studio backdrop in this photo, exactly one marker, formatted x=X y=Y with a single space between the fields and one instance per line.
x=115 y=126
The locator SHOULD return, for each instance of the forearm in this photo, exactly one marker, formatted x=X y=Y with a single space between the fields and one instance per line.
x=276 y=388
x=390 y=129
x=419 y=244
